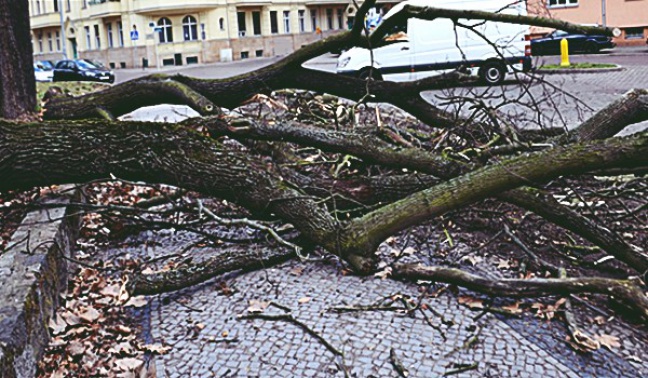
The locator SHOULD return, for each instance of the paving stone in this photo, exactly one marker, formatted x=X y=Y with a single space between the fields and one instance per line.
x=279 y=349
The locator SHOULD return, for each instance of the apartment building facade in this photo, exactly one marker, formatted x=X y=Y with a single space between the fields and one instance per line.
x=631 y=16
x=133 y=33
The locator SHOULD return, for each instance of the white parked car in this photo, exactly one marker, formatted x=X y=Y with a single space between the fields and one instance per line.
x=43 y=74
x=416 y=48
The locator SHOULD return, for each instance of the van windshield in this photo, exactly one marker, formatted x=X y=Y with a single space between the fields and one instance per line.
x=396 y=33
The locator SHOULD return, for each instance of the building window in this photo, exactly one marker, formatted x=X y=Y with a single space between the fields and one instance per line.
x=58 y=41
x=111 y=43
x=286 y=21
x=85 y=4
x=97 y=39
x=258 y=53
x=49 y=41
x=302 y=21
x=55 y=5
x=634 y=33
x=40 y=41
x=166 y=32
x=190 y=28
x=256 y=23
x=67 y=6
x=340 y=18
x=221 y=23
x=38 y=9
x=245 y=54
x=120 y=33
x=274 y=25
x=313 y=13
x=563 y=3
x=87 y=35
x=242 y=28
x=329 y=18
x=203 y=33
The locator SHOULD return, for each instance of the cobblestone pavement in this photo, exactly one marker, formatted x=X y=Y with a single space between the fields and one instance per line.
x=208 y=339
x=595 y=90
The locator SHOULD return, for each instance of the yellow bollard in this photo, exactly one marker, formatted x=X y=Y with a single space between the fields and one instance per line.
x=564 y=53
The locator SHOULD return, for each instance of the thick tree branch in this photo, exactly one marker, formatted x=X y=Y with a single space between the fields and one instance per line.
x=495 y=179
x=627 y=292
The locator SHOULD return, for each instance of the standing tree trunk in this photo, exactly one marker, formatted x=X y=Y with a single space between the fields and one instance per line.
x=17 y=82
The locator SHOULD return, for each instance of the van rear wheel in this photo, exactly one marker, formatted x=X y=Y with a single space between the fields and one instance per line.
x=368 y=72
x=492 y=73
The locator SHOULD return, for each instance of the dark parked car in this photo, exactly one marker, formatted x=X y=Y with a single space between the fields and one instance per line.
x=47 y=65
x=550 y=44
x=81 y=70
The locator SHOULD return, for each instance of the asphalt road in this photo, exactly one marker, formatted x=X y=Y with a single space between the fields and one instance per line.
x=545 y=100
x=635 y=56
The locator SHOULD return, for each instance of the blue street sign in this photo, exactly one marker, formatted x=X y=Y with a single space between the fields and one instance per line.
x=134 y=35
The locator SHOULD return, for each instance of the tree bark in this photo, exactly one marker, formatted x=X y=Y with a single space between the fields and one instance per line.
x=372 y=149
x=17 y=82
x=60 y=152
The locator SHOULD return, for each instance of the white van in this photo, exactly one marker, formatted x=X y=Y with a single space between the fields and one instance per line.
x=420 y=48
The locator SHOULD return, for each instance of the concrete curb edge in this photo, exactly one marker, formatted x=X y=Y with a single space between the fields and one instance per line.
x=579 y=71
x=33 y=275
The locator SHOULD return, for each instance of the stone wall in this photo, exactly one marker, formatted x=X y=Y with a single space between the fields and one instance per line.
x=33 y=274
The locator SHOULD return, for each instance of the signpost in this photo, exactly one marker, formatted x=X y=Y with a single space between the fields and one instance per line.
x=156 y=30
x=134 y=36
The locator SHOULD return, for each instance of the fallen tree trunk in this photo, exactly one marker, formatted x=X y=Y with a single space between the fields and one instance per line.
x=371 y=148
x=50 y=153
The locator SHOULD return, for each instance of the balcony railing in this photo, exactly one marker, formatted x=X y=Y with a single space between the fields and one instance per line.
x=95 y=2
x=102 y=8
x=166 y=7
x=45 y=20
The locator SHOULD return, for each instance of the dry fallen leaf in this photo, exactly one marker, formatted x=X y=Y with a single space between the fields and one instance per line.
x=304 y=300
x=503 y=264
x=70 y=318
x=156 y=348
x=89 y=315
x=383 y=274
x=600 y=320
x=57 y=325
x=513 y=308
x=128 y=364
x=581 y=341
x=123 y=348
x=608 y=341
x=75 y=348
x=257 y=306
x=297 y=271
x=409 y=251
x=470 y=302
x=111 y=290
x=139 y=301
x=121 y=329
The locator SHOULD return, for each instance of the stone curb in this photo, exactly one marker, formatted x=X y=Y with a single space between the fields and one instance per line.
x=578 y=71
x=33 y=274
